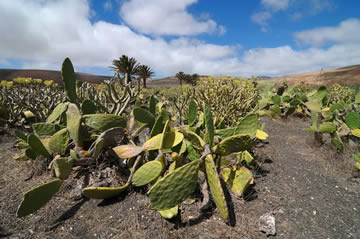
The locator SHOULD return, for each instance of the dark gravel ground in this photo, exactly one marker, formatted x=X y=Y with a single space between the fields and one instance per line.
x=311 y=190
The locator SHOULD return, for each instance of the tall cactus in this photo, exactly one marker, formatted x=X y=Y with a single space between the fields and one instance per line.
x=69 y=78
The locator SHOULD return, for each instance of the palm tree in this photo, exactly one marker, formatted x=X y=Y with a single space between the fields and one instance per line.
x=144 y=72
x=181 y=77
x=125 y=66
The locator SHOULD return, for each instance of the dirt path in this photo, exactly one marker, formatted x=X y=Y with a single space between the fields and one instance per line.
x=306 y=187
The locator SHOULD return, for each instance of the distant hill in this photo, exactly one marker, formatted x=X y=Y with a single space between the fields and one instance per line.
x=349 y=75
x=10 y=74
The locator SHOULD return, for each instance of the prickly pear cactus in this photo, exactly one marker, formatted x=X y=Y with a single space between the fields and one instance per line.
x=353 y=120
x=196 y=141
x=103 y=192
x=63 y=167
x=193 y=112
x=242 y=180
x=37 y=197
x=88 y=107
x=69 y=79
x=233 y=144
x=73 y=119
x=59 y=141
x=209 y=125
x=216 y=188
x=127 y=151
x=42 y=129
x=147 y=173
x=57 y=112
x=102 y=122
x=170 y=213
x=170 y=139
x=248 y=125
x=144 y=116
x=37 y=146
x=327 y=127
x=175 y=187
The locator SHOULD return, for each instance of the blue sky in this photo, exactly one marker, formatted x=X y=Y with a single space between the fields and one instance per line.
x=231 y=37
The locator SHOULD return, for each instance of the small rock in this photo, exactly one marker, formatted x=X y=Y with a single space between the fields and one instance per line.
x=267 y=224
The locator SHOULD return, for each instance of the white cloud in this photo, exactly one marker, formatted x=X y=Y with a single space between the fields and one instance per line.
x=44 y=39
x=262 y=18
x=345 y=32
x=108 y=6
x=164 y=17
x=276 y=5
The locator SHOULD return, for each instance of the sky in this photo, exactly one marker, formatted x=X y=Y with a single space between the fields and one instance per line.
x=207 y=37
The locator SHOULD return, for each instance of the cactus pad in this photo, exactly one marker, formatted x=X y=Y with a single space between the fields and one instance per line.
x=248 y=125
x=127 y=151
x=353 y=120
x=103 y=192
x=69 y=79
x=57 y=112
x=88 y=107
x=147 y=173
x=314 y=106
x=42 y=129
x=261 y=135
x=337 y=142
x=216 y=189
x=37 y=146
x=63 y=167
x=192 y=114
x=243 y=178
x=73 y=119
x=246 y=157
x=102 y=122
x=209 y=125
x=356 y=132
x=170 y=213
x=195 y=139
x=171 y=139
x=175 y=187
x=30 y=154
x=233 y=144
x=327 y=127
x=144 y=116
x=59 y=141
x=37 y=197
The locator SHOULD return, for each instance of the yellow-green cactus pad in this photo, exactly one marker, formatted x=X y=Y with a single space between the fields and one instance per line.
x=144 y=116
x=175 y=187
x=196 y=141
x=37 y=197
x=216 y=189
x=37 y=146
x=102 y=122
x=243 y=178
x=42 y=129
x=192 y=113
x=63 y=167
x=209 y=125
x=261 y=135
x=73 y=119
x=233 y=144
x=57 y=112
x=246 y=157
x=103 y=192
x=170 y=213
x=147 y=173
x=356 y=132
x=127 y=151
x=171 y=139
x=59 y=141
x=353 y=120
x=327 y=127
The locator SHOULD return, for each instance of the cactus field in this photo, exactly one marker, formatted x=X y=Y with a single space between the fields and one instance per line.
x=206 y=160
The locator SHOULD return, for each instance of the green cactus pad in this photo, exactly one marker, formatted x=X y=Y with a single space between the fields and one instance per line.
x=159 y=123
x=37 y=146
x=88 y=107
x=59 y=141
x=357 y=98
x=209 y=125
x=30 y=154
x=152 y=104
x=356 y=157
x=314 y=126
x=42 y=129
x=99 y=145
x=191 y=152
x=144 y=116
x=127 y=151
x=243 y=178
x=73 y=119
x=195 y=139
x=63 y=167
x=233 y=144
x=175 y=187
x=193 y=112
x=248 y=125
x=69 y=78
x=57 y=112
x=37 y=197
x=216 y=189
x=147 y=173
x=276 y=99
x=172 y=139
x=103 y=192
x=327 y=127
x=20 y=135
x=170 y=213
x=337 y=142
x=102 y=122
x=353 y=120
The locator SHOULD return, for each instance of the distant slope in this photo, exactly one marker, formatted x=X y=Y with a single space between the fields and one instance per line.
x=10 y=74
x=349 y=75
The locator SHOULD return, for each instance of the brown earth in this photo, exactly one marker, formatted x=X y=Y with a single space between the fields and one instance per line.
x=349 y=75
x=308 y=188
